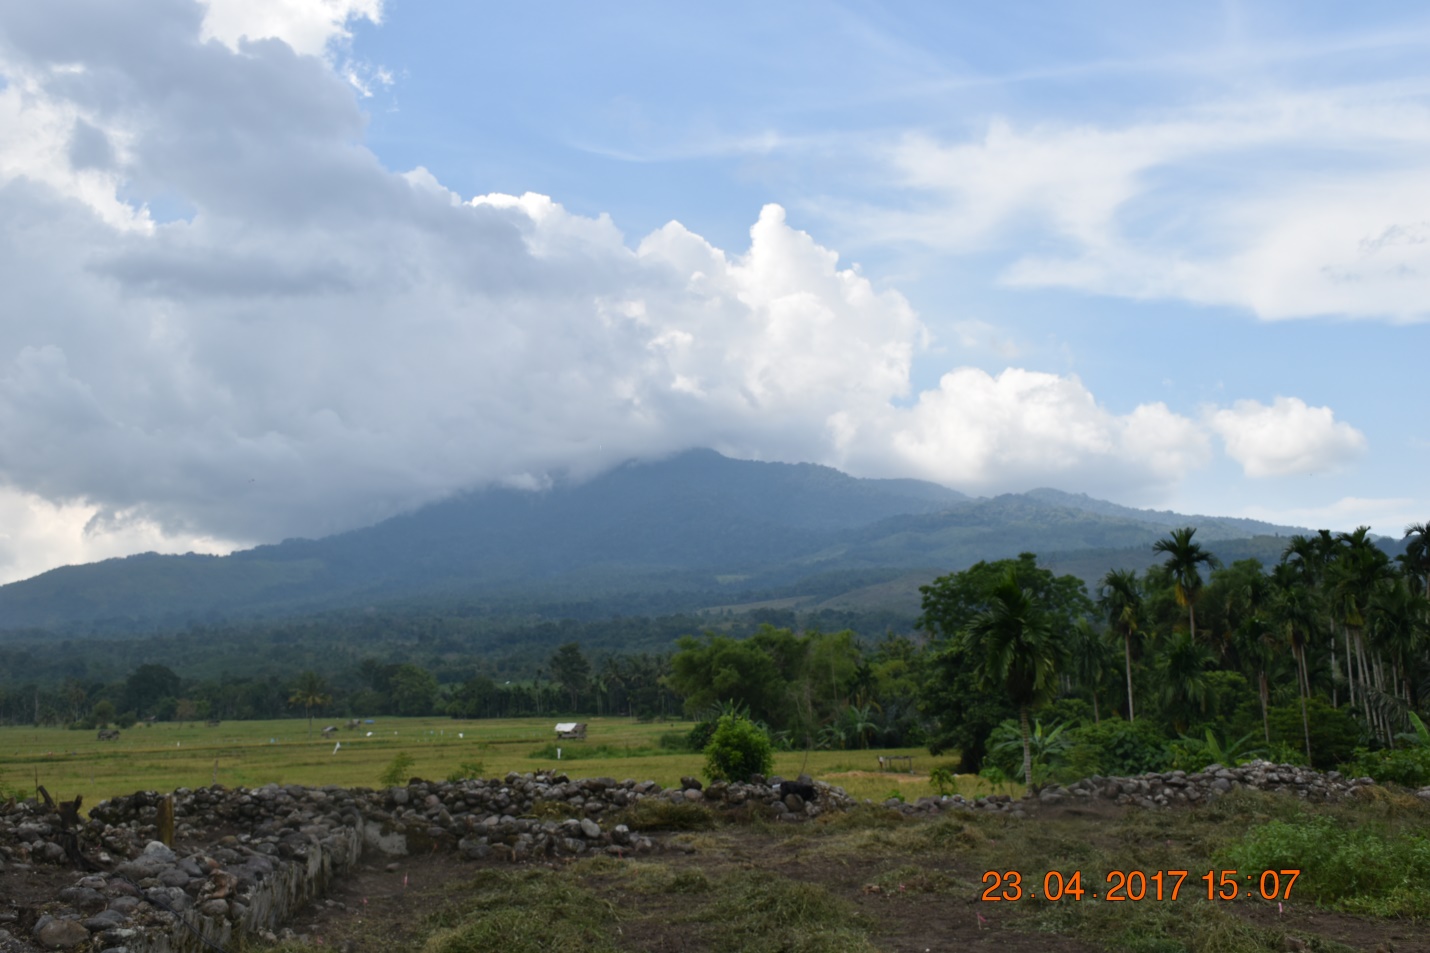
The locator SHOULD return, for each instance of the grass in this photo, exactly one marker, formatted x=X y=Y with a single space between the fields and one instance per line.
x=252 y=753
x=872 y=879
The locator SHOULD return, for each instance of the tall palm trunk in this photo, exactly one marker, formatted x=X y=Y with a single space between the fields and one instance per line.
x=1264 y=690
x=1027 y=749
x=1305 y=686
x=1127 y=647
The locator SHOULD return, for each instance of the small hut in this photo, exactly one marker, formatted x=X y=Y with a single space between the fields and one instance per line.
x=571 y=730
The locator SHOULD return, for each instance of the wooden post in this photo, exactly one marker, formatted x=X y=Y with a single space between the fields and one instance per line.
x=166 y=820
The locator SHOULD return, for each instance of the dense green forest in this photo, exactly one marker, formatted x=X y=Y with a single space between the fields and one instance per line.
x=1320 y=657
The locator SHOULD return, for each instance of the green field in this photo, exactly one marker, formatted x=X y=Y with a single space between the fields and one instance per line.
x=165 y=756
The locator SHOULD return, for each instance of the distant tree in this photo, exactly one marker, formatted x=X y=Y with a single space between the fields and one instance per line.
x=1120 y=599
x=1184 y=561
x=572 y=670
x=103 y=713
x=148 y=686
x=962 y=714
x=311 y=692
x=1015 y=650
x=414 y=690
x=1416 y=558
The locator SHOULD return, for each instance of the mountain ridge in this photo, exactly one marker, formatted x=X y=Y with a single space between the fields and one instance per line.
x=695 y=522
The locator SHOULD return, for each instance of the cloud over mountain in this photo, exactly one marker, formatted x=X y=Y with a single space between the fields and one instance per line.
x=230 y=323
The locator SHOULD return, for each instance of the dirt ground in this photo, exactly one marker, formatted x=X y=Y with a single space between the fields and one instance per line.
x=391 y=907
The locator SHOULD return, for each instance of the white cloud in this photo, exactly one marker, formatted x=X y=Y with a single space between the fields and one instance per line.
x=1286 y=438
x=325 y=342
x=308 y=26
x=1386 y=516
x=1023 y=428
x=1287 y=206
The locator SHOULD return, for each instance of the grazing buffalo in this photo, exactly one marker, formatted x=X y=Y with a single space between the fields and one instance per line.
x=109 y=734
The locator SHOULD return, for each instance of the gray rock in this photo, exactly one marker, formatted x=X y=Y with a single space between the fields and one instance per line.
x=62 y=934
x=590 y=828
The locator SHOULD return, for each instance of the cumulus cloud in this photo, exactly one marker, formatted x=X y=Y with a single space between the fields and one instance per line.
x=1287 y=438
x=324 y=342
x=308 y=26
x=1317 y=204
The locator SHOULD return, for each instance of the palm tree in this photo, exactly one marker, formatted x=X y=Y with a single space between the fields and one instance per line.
x=1013 y=647
x=1296 y=609
x=1182 y=670
x=1120 y=598
x=1247 y=615
x=1184 y=562
x=310 y=692
x=1089 y=655
x=1416 y=558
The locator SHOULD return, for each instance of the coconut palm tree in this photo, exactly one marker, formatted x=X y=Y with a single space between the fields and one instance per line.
x=1014 y=648
x=1120 y=599
x=1184 y=562
x=310 y=692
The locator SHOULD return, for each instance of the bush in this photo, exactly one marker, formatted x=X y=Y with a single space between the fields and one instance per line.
x=1409 y=767
x=1116 y=747
x=677 y=741
x=700 y=735
x=1334 y=733
x=126 y=720
x=1356 y=868
x=738 y=748
x=396 y=772
x=468 y=769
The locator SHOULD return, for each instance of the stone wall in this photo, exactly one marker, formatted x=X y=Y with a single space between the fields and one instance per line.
x=246 y=859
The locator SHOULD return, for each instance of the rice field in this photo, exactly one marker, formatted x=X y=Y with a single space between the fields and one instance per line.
x=171 y=755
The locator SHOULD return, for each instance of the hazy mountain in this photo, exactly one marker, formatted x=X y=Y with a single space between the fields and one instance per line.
x=697 y=529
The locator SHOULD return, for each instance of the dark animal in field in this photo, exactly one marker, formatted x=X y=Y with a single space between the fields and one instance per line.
x=211 y=723
x=329 y=731
x=109 y=734
x=804 y=787
x=353 y=723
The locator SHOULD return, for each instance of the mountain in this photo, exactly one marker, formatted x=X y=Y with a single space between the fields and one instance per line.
x=694 y=530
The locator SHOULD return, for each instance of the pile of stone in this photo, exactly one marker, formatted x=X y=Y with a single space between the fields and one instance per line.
x=1182 y=788
x=1168 y=789
x=245 y=859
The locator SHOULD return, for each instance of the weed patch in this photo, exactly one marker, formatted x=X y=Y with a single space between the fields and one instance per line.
x=528 y=911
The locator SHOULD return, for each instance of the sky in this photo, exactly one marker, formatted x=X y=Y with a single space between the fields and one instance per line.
x=279 y=268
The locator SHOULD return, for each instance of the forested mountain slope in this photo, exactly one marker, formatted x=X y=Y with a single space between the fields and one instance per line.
x=693 y=530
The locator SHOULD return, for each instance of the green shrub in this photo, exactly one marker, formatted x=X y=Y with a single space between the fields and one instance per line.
x=738 y=748
x=943 y=781
x=1116 y=747
x=699 y=736
x=1356 y=868
x=1334 y=733
x=397 y=771
x=1409 y=767
x=126 y=720
x=1046 y=746
x=468 y=769
x=677 y=741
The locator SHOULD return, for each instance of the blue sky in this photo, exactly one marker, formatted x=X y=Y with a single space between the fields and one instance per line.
x=284 y=267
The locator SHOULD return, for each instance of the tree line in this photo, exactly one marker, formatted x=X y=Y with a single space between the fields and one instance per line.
x=1323 y=652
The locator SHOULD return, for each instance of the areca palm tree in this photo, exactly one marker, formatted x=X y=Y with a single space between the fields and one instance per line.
x=1416 y=558
x=310 y=692
x=1120 y=599
x=1182 y=671
x=1184 y=562
x=1295 y=609
x=1014 y=648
